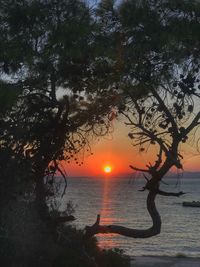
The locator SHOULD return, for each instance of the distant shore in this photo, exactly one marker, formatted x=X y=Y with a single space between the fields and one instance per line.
x=154 y=261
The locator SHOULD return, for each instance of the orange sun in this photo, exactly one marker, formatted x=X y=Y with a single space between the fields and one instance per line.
x=107 y=169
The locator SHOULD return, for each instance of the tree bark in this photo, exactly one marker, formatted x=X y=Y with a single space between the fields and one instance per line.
x=155 y=229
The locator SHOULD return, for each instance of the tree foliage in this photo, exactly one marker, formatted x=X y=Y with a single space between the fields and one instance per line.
x=49 y=45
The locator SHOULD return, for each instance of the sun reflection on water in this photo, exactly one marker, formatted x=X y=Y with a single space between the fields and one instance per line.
x=107 y=218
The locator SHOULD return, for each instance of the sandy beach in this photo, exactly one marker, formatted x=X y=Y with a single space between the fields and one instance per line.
x=165 y=262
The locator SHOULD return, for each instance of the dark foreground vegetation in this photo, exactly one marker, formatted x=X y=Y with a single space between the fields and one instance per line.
x=66 y=247
x=67 y=70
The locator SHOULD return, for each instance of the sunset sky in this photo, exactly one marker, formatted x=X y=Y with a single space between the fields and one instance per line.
x=115 y=150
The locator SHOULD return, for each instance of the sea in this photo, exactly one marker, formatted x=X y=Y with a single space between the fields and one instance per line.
x=118 y=201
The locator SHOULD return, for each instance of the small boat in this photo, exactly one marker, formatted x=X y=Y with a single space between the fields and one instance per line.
x=191 y=204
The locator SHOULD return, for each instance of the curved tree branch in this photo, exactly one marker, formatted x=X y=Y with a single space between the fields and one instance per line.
x=155 y=229
x=96 y=228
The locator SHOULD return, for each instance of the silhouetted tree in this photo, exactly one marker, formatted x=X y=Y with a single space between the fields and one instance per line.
x=49 y=45
x=139 y=58
x=159 y=89
x=46 y=46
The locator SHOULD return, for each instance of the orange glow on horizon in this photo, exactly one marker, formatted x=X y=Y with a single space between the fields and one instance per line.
x=117 y=151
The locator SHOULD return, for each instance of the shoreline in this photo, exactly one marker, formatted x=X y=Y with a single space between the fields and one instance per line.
x=164 y=261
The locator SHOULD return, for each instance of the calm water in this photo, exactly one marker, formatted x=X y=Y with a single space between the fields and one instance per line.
x=119 y=202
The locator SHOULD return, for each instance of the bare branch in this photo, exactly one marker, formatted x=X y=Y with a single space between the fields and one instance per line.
x=154 y=137
x=163 y=193
x=166 y=110
x=193 y=124
x=159 y=161
x=138 y=169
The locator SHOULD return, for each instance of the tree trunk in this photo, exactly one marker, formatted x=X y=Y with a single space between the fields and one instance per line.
x=40 y=199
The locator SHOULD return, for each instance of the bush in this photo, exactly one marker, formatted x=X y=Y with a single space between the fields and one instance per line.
x=81 y=252
x=112 y=258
